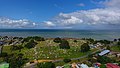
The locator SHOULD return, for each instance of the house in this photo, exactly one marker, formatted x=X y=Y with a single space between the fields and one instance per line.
x=92 y=46
x=118 y=55
x=59 y=67
x=84 y=66
x=110 y=65
x=104 y=52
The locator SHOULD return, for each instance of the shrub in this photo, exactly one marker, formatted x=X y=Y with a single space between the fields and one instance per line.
x=57 y=40
x=67 y=60
x=46 y=65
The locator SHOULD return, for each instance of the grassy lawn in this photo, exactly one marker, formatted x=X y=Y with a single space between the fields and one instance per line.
x=115 y=48
x=50 y=50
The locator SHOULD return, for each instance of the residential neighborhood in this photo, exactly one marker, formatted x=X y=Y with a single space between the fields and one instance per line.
x=101 y=55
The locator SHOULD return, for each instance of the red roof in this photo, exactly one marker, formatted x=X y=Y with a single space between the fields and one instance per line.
x=110 y=65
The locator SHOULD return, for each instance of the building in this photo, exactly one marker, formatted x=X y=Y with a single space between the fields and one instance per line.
x=84 y=66
x=110 y=65
x=104 y=52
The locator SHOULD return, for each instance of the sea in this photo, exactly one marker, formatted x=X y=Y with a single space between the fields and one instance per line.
x=63 y=33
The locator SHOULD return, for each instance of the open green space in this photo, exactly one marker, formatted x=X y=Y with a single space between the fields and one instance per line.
x=50 y=50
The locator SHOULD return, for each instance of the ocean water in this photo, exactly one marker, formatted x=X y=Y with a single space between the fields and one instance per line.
x=52 y=33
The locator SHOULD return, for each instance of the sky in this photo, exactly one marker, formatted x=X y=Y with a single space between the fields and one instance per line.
x=60 y=14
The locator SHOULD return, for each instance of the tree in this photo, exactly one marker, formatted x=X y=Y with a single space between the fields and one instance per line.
x=37 y=38
x=15 y=60
x=104 y=41
x=90 y=40
x=16 y=47
x=118 y=44
x=4 y=54
x=119 y=39
x=57 y=40
x=108 y=47
x=64 y=44
x=46 y=65
x=103 y=66
x=75 y=40
x=104 y=59
x=30 y=44
x=67 y=60
x=115 y=40
x=85 y=47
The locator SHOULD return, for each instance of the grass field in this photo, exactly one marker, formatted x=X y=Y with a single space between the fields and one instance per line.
x=115 y=48
x=50 y=50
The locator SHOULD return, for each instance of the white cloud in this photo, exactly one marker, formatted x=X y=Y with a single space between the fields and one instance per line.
x=107 y=16
x=49 y=24
x=81 y=5
x=112 y=3
x=12 y=23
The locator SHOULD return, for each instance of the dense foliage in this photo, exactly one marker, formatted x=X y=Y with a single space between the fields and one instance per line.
x=85 y=47
x=30 y=44
x=57 y=40
x=104 y=59
x=16 y=47
x=16 y=60
x=37 y=38
x=64 y=44
x=67 y=60
x=103 y=66
x=46 y=65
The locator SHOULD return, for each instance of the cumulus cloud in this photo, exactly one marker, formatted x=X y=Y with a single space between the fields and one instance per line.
x=49 y=23
x=111 y=3
x=108 y=16
x=12 y=23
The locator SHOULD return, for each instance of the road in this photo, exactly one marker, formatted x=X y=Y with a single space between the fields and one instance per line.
x=60 y=60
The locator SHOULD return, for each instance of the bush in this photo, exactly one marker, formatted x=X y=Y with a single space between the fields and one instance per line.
x=103 y=66
x=30 y=44
x=4 y=54
x=37 y=38
x=46 y=65
x=57 y=40
x=75 y=40
x=16 y=47
x=67 y=60
x=15 y=60
x=104 y=59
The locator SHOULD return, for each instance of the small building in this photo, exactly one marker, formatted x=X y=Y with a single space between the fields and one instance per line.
x=104 y=52
x=84 y=66
x=59 y=67
x=110 y=65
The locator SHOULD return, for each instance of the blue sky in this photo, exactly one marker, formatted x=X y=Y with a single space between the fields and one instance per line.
x=41 y=10
x=43 y=13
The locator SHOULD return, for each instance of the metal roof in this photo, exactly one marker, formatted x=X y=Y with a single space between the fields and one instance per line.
x=104 y=52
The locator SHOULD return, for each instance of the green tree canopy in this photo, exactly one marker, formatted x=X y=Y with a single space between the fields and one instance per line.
x=57 y=40
x=104 y=59
x=85 y=47
x=64 y=44
x=46 y=65
x=30 y=44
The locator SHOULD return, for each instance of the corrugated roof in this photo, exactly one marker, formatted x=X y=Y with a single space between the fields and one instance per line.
x=104 y=52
